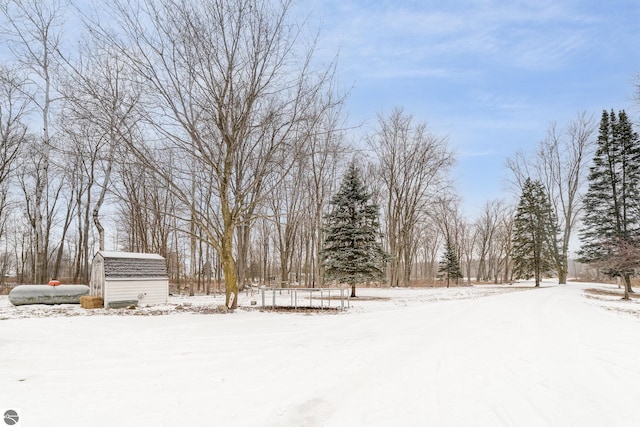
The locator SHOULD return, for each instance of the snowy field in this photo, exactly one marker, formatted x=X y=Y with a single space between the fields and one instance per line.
x=468 y=356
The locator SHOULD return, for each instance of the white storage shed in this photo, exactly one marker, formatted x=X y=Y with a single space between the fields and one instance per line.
x=123 y=277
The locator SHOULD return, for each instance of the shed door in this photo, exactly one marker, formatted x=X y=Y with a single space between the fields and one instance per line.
x=97 y=278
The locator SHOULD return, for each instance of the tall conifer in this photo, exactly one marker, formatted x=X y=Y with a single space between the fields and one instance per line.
x=535 y=233
x=352 y=251
x=611 y=233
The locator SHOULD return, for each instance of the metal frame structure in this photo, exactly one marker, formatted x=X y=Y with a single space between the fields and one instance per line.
x=278 y=297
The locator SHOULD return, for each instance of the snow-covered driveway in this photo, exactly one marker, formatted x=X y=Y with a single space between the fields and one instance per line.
x=532 y=358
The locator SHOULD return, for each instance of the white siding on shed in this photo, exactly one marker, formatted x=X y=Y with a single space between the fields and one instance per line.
x=146 y=291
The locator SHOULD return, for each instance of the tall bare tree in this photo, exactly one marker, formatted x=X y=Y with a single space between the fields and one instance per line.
x=13 y=135
x=560 y=163
x=99 y=99
x=413 y=166
x=505 y=245
x=13 y=131
x=101 y=96
x=488 y=244
x=149 y=211
x=287 y=210
x=325 y=159
x=33 y=30
x=230 y=91
x=468 y=236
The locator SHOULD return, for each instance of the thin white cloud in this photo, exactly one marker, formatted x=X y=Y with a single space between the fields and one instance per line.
x=401 y=37
x=489 y=74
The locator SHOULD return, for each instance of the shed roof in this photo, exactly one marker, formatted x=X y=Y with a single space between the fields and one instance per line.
x=131 y=264
x=138 y=255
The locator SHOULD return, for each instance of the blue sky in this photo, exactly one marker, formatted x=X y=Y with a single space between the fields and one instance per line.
x=489 y=75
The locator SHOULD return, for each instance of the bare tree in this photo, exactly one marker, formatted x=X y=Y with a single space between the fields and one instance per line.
x=263 y=250
x=505 y=234
x=430 y=241
x=34 y=33
x=564 y=157
x=298 y=204
x=13 y=110
x=100 y=96
x=560 y=163
x=287 y=210
x=469 y=235
x=488 y=243
x=149 y=210
x=622 y=260
x=413 y=165
x=13 y=131
x=13 y=135
x=325 y=161
x=227 y=91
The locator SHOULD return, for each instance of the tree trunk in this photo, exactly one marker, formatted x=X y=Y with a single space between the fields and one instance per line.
x=99 y=227
x=103 y=191
x=60 y=252
x=85 y=243
x=243 y=234
x=562 y=277
x=229 y=267
x=265 y=261
x=192 y=262
x=353 y=291
x=627 y=286
x=208 y=270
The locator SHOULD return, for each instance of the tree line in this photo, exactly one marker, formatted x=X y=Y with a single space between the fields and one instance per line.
x=576 y=178
x=212 y=133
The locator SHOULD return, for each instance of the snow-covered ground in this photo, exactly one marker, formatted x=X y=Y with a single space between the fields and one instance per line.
x=469 y=356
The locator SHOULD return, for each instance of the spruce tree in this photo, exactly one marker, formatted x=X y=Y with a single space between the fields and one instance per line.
x=611 y=219
x=450 y=265
x=352 y=251
x=535 y=233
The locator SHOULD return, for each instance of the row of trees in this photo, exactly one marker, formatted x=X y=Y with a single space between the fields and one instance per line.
x=609 y=203
x=538 y=241
x=211 y=133
x=207 y=132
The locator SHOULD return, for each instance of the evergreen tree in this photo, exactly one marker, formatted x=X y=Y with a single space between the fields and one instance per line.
x=352 y=251
x=535 y=233
x=450 y=265
x=611 y=220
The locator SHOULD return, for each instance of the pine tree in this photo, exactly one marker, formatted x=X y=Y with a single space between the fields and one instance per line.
x=352 y=251
x=450 y=265
x=612 y=204
x=535 y=233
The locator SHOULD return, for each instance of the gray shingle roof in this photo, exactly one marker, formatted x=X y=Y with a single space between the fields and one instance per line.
x=133 y=265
